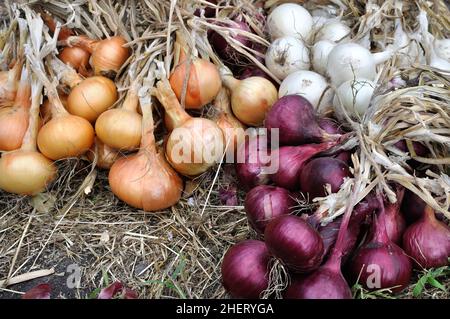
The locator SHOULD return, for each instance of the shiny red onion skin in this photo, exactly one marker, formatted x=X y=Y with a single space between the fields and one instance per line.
x=290 y=160
x=252 y=157
x=296 y=120
x=418 y=148
x=427 y=241
x=264 y=203
x=413 y=207
x=245 y=269
x=324 y=283
x=295 y=243
x=321 y=171
x=395 y=223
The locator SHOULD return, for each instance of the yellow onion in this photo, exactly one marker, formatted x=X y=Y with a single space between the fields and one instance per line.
x=46 y=108
x=77 y=58
x=91 y=97
x=145 y=180
x=233 y=130
x=106 y=156
x=195 y=144
x=65 y=135
x=26 y=171
x=14 y=119
x=251 y=98
x=121 y=128
x=107 y=56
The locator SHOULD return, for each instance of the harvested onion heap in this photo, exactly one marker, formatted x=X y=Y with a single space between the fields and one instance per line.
x=26 y=171
x=195 y=144
x=145 y=180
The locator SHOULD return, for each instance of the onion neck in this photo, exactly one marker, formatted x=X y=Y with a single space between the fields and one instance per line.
x=222 y=102
x=24 y=91
x=57 y=108
x=381 y=57
x=29 y=140
x=230 y=82
x=380 y=234
x=67 y=74
x=132 y=100
x=14 y=75
x=171 y=105
x=83 y=42
x=148 y=143
x=180 y=49
x=429 y=214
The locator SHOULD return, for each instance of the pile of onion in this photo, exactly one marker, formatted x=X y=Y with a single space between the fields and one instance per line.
x=107 y=55
x=121 y=128
x=14 y=119
x=26 y=171
x=145 y=180
x=195 y=144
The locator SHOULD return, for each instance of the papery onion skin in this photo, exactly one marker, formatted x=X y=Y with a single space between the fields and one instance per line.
x=92 y=97
x=252 y=157
x=295 y=243
x=294 y=116
x=264 y=203
x=195 y=146
x=321 y=171
x=427 y=241
x=203 y=82
x=120 y=129
x=77 y=58
x=145 y=181
x=65 y=136
x=252 y=98
x=25 y=172
x=245 y=269
x=106 y=156
x=109 y=55
x=13 y=126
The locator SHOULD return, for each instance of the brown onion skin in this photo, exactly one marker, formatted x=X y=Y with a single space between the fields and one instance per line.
x=427 y=241
x=145 y=181
x=264 y=203
x=293 y=241
x=245 y=269
x=92 y=97
x=65 y=136
x=252 y=156
x=296 y=119
x=109 y=55
x=381 y=263
x=203 y=85
x=106 y=156
x=13 y=126
x=77 y=58
x=321 y=171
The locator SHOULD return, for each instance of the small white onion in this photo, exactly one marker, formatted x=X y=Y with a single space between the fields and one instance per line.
x=355 y=96
x=290 y=19
x=348 y=61
x=333 y=30
x=320 y=52
x=287 y=55
x=311 y=85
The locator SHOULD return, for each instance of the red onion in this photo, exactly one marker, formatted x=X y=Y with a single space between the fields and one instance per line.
x=295 y=117
x=252 y=158
x=245 y=269
x=330 y=126
x=295 y=243
x=381 y=263
x=393 y=220
x=413 y=207
x=264 y=203
x=427 y=241
x=223 y=48
x=291 y=159
x=321 y=171
x=418 y=148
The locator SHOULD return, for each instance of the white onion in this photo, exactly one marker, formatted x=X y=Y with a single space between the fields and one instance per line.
x=318 y=23
x=290 y=19
x=320 y=52
x=333 y=30
x=442 y=48
x=355 y=96
x=311 y=85
x=287 y=55
x=350 y=60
